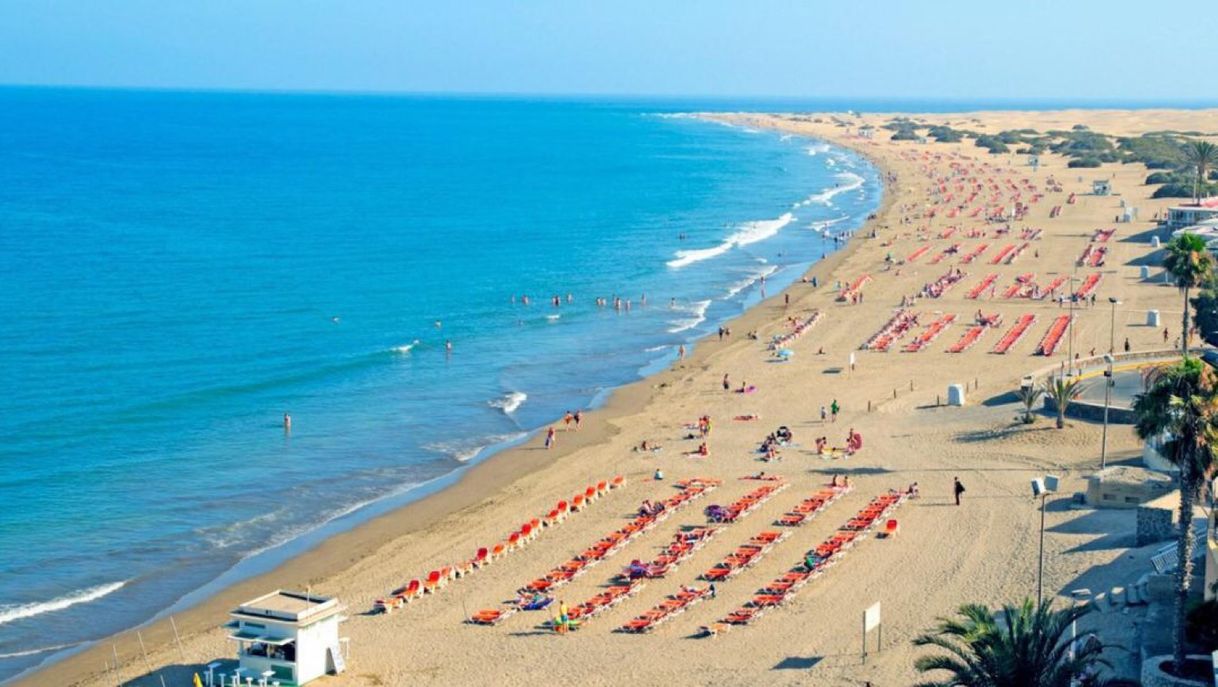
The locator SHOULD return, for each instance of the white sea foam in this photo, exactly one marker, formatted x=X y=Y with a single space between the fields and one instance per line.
x=821 y=226
x=463 y=450
x=749 y=232
x=653 y=349
x=785 y=137
x=552 y=318
x=13 y=612
x=510 y=402
x=34 y=652
x=697 y=312
x=818 y=148
x=852 y=182
x=406 y=348
x=748 y=281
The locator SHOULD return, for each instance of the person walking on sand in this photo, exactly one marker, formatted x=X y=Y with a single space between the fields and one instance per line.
x=579 y=417
x=1127 y=344
x=681 y=352
x=834 y=408
x=551 y=437
x=958 y=488
x=824 y=414
x=727 y=384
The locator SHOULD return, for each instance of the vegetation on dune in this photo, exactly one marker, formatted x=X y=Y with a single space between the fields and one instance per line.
x=1180 y=408
x=1021 y=646
x=1085 y=162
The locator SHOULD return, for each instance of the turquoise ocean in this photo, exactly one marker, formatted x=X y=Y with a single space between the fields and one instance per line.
x=178 y=270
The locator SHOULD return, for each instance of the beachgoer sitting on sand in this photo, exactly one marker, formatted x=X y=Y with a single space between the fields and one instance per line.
x=913 y=490
x=703 y=449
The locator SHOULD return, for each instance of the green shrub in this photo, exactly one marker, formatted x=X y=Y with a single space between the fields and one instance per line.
x=1174 y=191
x=1084 y=162
x=1162 y=178
x=992 y=143
x=905 y=135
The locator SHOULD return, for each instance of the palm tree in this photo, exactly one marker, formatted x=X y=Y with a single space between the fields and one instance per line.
x=1063 y=390
x=1029 y=395
x=1024 y=646
x=1191 y=265
x=1181 y=404
x=1202 y=155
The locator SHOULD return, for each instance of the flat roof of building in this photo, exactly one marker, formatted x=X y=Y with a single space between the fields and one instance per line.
x=288 y=606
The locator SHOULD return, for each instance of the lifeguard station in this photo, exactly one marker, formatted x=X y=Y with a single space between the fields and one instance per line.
x=287 y=638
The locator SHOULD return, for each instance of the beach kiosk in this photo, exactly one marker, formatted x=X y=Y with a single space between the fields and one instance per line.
x=1101 y=187
x=288 y=638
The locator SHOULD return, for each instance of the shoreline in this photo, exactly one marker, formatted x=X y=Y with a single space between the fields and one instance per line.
x=473 y=485
x=989 y=557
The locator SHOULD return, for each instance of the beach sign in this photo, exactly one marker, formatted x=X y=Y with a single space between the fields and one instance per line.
x=871 y=621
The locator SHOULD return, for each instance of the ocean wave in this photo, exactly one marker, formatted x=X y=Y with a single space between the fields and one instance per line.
x=821 y=226
x=655 y=349
x=749 y=232
x=40 y=650
x=510 y=402
x=14 y=612
x=405 y=348
x=463 y=450
x=818 y=148
x=698 y=312
x=853 y=181
x=748 y=281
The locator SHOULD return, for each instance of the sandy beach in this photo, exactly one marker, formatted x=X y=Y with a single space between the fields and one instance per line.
x=983 y=551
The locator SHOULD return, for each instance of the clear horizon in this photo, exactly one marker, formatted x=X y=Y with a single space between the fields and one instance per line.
x=954 y=51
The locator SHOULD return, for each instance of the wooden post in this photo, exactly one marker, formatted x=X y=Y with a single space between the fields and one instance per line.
x=114 y=648
x=178 y=639
x=147 y=663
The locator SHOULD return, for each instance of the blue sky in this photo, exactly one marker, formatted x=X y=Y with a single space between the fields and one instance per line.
x=885 y=48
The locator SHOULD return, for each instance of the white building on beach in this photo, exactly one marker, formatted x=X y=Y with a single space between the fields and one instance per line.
x=288 y=638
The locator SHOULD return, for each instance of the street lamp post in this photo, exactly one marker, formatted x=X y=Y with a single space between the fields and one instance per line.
x=1107 y=399
x=1042 y=487
x=1112 y=325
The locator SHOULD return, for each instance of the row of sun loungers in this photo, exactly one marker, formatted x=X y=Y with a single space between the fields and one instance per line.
x=1053 y=337
x=851 y=290
x=970 y=337
x=1022 y=288
x=1055 y=211
x=950 y=250
x=917 y=254
x=810 y=507
x=892 y=330
x=1102 y=235
x=671 y=607
x=974 y=253
x=1002 y=254
x=940 y=286
x=1053 y=286
x=744 y=556
x=1014 y=334
x=1093 y=256
x=1016 y=253
x=1030 y=234
x=798 y=330
x=746 y=504
x=932 y=331
x=981 y=286
x=814 y=564
x=436 y=580
x=1089 y=285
